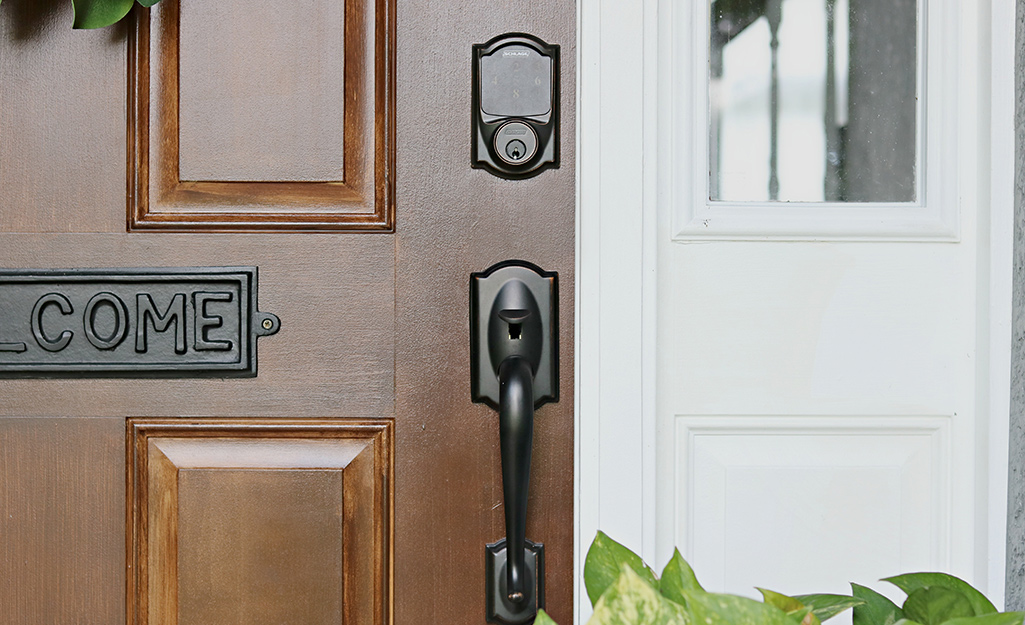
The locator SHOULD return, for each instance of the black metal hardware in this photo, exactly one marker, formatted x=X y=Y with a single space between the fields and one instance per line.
x=515 y=117
x=514 y=369
x=140 y=322
x=500 y=610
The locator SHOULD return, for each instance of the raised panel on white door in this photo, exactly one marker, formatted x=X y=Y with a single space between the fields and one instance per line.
x=809 y=504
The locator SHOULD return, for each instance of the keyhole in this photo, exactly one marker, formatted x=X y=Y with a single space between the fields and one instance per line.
x=515 y=149
x=514 y=331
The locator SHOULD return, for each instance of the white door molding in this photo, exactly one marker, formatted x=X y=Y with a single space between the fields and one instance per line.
x=995 y=335
x=616 y=262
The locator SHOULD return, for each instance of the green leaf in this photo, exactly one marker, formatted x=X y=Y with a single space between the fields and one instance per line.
x=708 y=608
x=783 y=602
x=99 y=13
x=876 y=609
x=804 y=616
x=678 y=577
x=602 y=566
x=631 y=600
x=149 y=3
x=791 y=606
x=542 y=618
x=911 y=582
x=826 y=607
x=905 y=621
x=1001 y=618
x=935 y=605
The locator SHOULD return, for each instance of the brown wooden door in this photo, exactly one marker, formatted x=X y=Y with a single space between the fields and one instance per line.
x=352 y=480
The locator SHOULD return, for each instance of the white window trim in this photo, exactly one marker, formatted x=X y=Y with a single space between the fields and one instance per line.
x=617 y=210
x=929 y=219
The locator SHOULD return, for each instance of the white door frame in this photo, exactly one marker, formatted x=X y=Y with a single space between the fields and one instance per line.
x=619 y=105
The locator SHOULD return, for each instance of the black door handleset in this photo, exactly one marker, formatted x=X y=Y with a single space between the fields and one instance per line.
x=514 y=369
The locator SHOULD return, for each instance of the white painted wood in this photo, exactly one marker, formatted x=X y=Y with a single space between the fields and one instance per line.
x=997 y=331
x=786 y=498
x=872 y=329
x=615 y=280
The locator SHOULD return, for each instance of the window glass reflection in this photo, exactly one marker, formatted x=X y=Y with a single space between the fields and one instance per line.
x=813 y=100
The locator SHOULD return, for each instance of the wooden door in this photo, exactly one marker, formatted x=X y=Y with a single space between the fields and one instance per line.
x=327 y=144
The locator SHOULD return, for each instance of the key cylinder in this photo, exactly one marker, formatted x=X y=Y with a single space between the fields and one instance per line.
x=515 y=143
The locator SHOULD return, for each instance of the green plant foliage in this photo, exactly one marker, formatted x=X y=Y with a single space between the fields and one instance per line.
x=604 y=562
x=911 y=582
x=677 y=578
x=630 y=599
x=1001 y=618
x=625 y=591
x=793 y=607
x=875 y=609
x=934 y=605
x=825 y=607
x=100 y=13
x=715 y=609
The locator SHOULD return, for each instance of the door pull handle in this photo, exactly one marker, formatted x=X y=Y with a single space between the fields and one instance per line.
x=516 y=433
x=514 y=369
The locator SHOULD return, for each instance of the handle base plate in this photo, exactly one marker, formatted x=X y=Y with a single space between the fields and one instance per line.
x=499 y=608
x=485 y=287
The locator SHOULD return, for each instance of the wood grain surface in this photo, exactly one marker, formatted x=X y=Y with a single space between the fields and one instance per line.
x=187 y=191
x=62 y=523
x=452 y=221
x=374 y=325
x=259 y=521
x=261 y=104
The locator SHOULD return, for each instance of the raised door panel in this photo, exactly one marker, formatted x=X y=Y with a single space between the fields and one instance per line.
x=871 y=492
x=284 y=122
x=254 y=522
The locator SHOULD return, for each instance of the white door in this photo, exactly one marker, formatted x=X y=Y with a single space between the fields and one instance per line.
x=793 y=344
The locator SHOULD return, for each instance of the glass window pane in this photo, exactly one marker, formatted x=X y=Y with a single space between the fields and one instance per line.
x=813 y=100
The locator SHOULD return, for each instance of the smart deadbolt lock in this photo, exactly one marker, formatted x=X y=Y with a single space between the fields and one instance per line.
x=515 y=114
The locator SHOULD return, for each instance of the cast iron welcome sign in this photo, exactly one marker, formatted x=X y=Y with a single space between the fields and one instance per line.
x=199 y=321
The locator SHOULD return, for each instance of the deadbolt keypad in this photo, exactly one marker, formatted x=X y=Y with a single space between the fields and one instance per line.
x=516 y=81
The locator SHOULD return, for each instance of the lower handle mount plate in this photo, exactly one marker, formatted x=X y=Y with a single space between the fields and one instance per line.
x=499 y=608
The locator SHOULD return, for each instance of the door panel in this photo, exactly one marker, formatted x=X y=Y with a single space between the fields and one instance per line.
x=63 y=149
x=259 y=521
x=374 y=328
x=246 y=126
